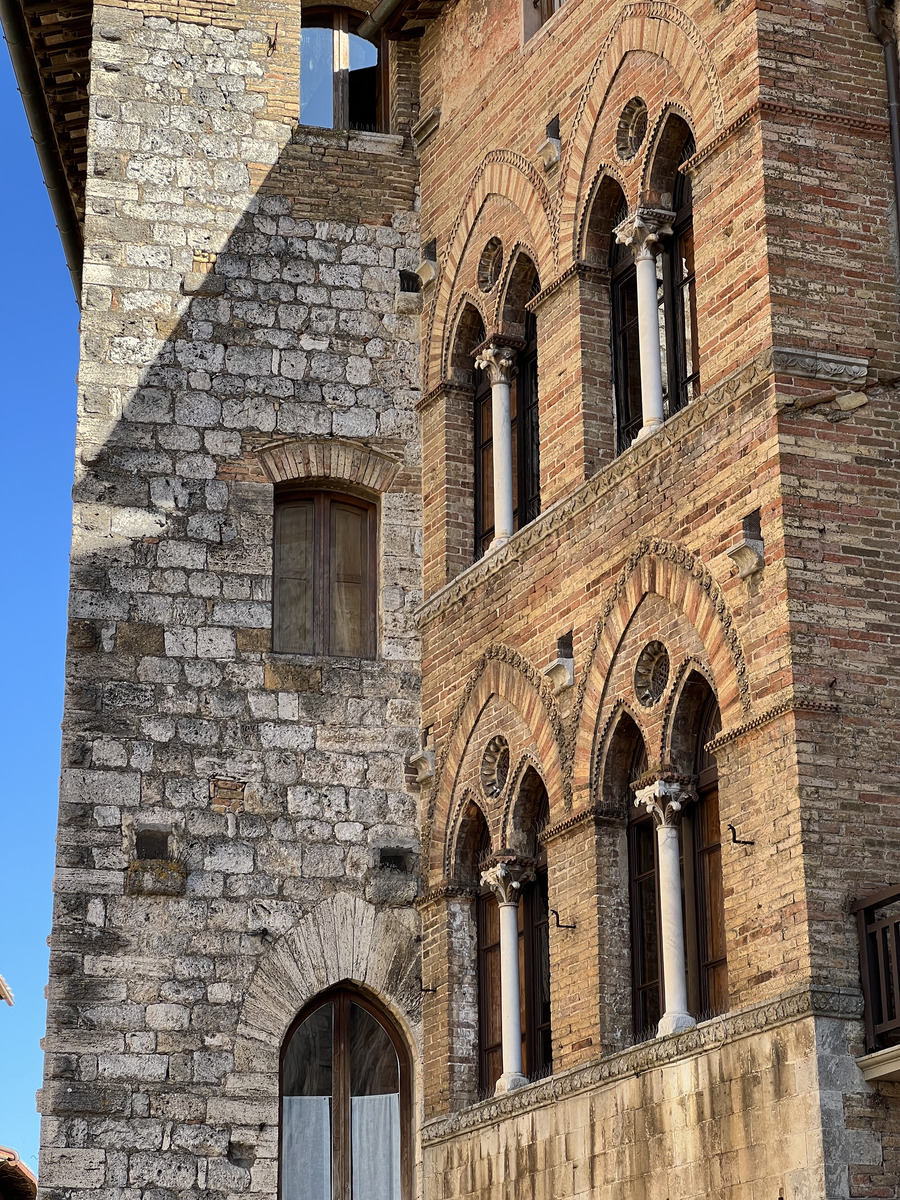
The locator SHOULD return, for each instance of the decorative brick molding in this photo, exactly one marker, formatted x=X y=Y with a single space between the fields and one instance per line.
x=504 y=672
x=805 y=1004
x=672 y=572
x=843 y=369
x=633 y=460
x=791 y=705
x=501 y=173
x=794 y=113
x=449 y=890
x=656 y=28
x=331 y=458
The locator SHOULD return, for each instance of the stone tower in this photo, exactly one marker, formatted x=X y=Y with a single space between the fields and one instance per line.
x=480 y=748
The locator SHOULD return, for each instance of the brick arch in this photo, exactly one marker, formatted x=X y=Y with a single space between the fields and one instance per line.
x=329 y=458
x=658 y=28
x=505 y=673
x=512 y=178
x=680 y=578
x=343 y=939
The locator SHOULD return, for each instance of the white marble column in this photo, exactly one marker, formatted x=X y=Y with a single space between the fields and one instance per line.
x=664 y=800
x=642 y=233
x=499 y=363
x=505 y=880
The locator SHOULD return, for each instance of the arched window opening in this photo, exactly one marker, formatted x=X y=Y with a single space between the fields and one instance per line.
x=323 y=586
x=340 y=77
x=680 y=345
x=626 y=348
x=643 y=886
x=534 y=940
x=490 y=1021
x=704 y=898
x=524 y=418
x=345 y=1104
x=669 y=188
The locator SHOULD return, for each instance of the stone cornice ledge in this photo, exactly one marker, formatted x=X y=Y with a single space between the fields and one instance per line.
x=658 y=1052
x=632 y=460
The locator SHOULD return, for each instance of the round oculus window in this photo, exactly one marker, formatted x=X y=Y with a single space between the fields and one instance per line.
x=495 y=766
x=632 y=128
x=651 y=674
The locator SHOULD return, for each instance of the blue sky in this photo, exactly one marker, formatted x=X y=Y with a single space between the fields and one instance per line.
x=39 y=356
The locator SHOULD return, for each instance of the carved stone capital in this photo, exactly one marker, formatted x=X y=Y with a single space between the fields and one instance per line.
x=664 y=799
x=505 y=878
x=643 y=231
x=498 y=361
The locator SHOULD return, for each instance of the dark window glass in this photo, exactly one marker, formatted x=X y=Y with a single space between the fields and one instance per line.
x=712 y=965
x=487 y=917
x=323 y=591
x=535 y=968
x=677 y=308
x=524 y=415
x=340 y=82
x=644 y=887
x=344 y=1106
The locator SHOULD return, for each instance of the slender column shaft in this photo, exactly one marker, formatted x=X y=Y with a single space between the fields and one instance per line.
x=503 y=475
x=648 y=333
x=505 y=880
x=641 y=233
x=499 y=363
x=676 y=1015
x=510 y=990
x=664 y=799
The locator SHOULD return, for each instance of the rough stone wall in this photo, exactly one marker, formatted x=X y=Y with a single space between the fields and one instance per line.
x=234 y=321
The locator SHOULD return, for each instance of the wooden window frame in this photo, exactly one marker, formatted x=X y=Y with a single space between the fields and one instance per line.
x=322 y=566
x=537 y=1062
x=341 y=1157
x=484 y=521
x=344 y=21
x=683 y=377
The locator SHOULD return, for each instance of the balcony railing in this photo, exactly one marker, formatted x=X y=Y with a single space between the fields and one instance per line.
x=878 y=923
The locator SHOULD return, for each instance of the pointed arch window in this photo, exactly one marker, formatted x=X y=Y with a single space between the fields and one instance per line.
x=345 y=1104
x=534 y=940
x=676 y=293
x=702 y=890
x=705 y=901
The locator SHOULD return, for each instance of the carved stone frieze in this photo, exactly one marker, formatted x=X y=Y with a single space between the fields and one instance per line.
x=820 y=364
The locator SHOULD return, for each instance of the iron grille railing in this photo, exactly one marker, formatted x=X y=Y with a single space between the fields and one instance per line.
x=878 y=924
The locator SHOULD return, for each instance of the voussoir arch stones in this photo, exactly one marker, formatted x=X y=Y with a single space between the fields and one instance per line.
x=680 y=578
x=343 y=939
x=655 y=27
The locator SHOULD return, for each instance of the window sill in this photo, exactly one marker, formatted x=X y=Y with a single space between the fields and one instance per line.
x=704 y=1038
x=883 y=1065
x=359 y=141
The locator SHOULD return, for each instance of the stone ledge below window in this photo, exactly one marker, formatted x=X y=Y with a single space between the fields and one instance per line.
x=881 y=1065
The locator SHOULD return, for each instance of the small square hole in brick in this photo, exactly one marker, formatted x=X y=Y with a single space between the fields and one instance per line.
x=151 y=843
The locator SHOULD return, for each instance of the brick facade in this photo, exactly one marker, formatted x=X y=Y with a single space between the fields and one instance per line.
x=243 y=327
